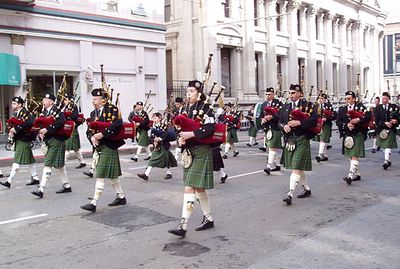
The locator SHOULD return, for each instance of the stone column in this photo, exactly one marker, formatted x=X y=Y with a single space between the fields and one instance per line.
x=239 y=73
x=328 y=75
x=18 y=49
x=248 y=59
x=293 y=40
x=343 y=76
x=271 y=71
x=381 y=67
x=284 y=19
x=218 y=60
x=312 y=48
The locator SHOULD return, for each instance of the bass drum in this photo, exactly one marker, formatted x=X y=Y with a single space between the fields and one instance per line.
x=258 y=115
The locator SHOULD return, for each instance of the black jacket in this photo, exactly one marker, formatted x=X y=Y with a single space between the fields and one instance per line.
x=382 y=116
x=342 y=120
x=58 y=124
x=273 y=123
x=22 y=130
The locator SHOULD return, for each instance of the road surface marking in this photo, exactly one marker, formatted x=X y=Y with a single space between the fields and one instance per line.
x=21 y=219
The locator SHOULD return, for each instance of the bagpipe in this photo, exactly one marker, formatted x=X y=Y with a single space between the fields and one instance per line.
x=45 y=122
x=127 y=131
x=185 y=124
x=13 y=121
x=271 y=110
x=79 y=121
x=299 y=115
x=140 y=120
x=354 y=114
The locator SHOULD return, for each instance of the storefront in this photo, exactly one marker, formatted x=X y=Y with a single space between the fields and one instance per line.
x=10 y=78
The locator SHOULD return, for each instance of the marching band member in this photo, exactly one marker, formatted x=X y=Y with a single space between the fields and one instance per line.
x=377 y=101
x=351 y=121
x=142 y=128
x=179 y=109
x=198 y=177
x=95 y=154
x=218 y=162
x=108 y=166
x=231 y=119
x=162 y=156
x=252 y=130
x=22 y=137
x=386 y=122
x=73 y=143
x=327 y=114
x=55 y=155
x=273 y=135
x=297 y=152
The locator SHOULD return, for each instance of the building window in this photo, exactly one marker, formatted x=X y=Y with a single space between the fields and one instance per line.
x=227 y=7
x=110 y=5
x=317 y=27
x=167 y=10
x=349 y=77
x=319 y=75
x=334 y=31
x=278 y=18
x=298 y=22
x=257 y=57
x=365 y=39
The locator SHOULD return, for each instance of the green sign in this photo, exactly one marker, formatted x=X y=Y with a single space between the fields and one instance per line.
x=10 y=70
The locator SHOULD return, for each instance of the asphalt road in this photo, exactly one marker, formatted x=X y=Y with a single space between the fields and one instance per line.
x=339 y=226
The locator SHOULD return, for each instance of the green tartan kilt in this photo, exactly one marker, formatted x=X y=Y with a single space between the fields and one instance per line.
x=276 y=140
x=143 y=139
x=55 y=156
x=73 y=143
x=326 y=134
x=232 y=137
x=200 y=173
x=358 y=150
x=300 y=158
x=108 y=165
x=162 y=158
x=23 y=153
x=253 y=131
x=389 y=143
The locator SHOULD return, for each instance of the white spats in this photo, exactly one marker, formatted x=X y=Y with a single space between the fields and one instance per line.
x=14 y=170
x=148 y=170
x=45 y=177
x=271 y=159
x=116 y=183
x=99 y=188
x=354 y=169
x=303 y=180
x=32 y=168
x=188 y=205
x=322 y=149
x=222 y=172
x=62 y=172
x=227 y=147
x=388 y=153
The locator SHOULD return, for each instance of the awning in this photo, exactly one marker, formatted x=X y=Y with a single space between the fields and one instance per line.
x=10 y=70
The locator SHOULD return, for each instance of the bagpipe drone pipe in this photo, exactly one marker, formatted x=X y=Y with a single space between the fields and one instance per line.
x=45 y=122
x=127 y=131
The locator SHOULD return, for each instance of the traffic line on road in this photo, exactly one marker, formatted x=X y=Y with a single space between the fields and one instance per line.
x=246 y=174
x=135 y=168
x=22 y=219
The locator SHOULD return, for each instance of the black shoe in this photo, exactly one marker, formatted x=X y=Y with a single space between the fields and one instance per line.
x=248 y=144
x=118 y=201
x=134 y=159
x=143 y=176
x=378 y=148
x=385 y=166
x=236 y=153
x=329 y=146
x=225 y=157
x=89 y=207
x=1 y=175
x=178 y=231
x=89 y=174
x=205 y=224
x=324 y=159
x=223 y=179
x=389 y=163
x=318 y=158
x=81 y=165
x=168 y=176
x=305 y=194
x=6 y=184
x=277 y=168
x=33 y=182
x=288 y=200
x=255 y=144
x=373 y=150
x=348 y=180
x=38 y=193
x=357 y=178
x=267 y=170
x=263 y=149
x=64 y=190
x=147 y=158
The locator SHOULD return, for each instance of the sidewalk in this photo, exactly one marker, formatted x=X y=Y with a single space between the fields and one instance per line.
x=6 y=157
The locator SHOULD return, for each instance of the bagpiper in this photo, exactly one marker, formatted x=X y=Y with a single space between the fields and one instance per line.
x=375 y=148
x=352 y=121
x=95 y=154
x=198 y=173
x=22 y=135
x=252 y=132
x=231 y=119
x=386 y=123
x=108 y=165
x=142 y=129
x=273 y=135
x=54 y=146
x=296 y=119
x=73 y=144
x=161 y=157
x=327 y=114
x=179 y=109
